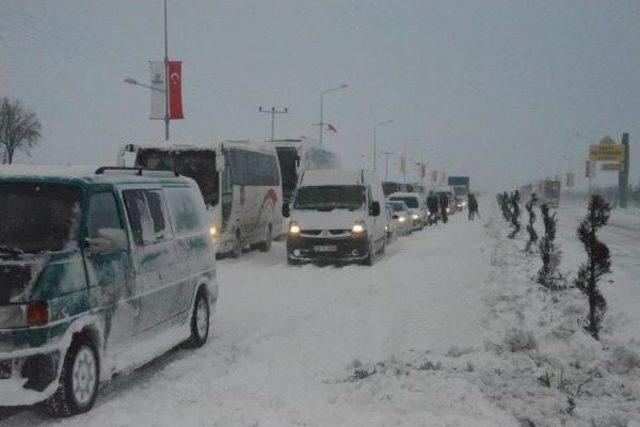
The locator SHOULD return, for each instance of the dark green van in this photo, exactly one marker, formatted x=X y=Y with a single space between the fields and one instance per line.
x=100 y=272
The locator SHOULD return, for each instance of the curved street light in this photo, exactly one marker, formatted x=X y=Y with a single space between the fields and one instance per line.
x=342 y=86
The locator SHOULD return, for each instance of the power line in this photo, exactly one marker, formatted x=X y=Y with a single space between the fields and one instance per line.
x=54 y=27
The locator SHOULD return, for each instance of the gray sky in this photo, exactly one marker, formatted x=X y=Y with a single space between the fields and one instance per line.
x=493 y=89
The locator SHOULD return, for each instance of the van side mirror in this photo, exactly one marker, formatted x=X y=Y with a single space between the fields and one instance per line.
x=109 y=240
x=286 y=211
x=374 y=209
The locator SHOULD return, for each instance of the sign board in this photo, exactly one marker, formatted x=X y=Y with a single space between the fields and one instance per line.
x=607 y=140
x=615 y=167
x=606 y=152
x=157 y=72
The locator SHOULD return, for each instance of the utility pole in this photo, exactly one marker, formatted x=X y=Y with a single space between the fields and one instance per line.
x=386 y=155
x=375 y=148
x=273 y=113
x=166 y=77
x=623 y=175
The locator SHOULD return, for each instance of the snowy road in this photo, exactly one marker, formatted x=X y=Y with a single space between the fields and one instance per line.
x=286 y=339
x=424 y=337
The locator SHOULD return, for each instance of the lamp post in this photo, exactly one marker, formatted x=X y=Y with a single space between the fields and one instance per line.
x=375 y=148
x=273 y=113
x=342 y=86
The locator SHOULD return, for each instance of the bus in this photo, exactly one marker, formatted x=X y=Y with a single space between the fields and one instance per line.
x=239 y=180
x=299 y=155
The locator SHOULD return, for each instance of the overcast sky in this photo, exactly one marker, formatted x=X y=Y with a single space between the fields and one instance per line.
x=494 y=89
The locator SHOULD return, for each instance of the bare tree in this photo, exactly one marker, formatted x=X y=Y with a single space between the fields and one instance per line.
x=19 y=129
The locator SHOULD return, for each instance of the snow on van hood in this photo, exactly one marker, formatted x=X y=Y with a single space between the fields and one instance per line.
x=331 y=220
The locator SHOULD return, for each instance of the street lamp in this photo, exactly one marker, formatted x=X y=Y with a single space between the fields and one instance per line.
x=342 y=86
x=134 y=82
x=375 y=158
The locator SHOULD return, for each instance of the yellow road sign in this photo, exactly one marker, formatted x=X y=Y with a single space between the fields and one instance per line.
x=616 y=167
x=606 y=152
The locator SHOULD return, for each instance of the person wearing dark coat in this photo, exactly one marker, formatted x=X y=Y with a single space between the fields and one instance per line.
x=472 y=205
x=432 y=205
x=444 y=205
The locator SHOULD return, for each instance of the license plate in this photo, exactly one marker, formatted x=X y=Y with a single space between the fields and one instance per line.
x=325 y=248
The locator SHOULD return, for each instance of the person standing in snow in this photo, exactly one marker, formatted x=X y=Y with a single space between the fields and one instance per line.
x=444 y=206
x=473 y=207
x=432 y=205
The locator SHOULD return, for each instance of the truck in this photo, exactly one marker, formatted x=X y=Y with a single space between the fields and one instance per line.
x=461 y=189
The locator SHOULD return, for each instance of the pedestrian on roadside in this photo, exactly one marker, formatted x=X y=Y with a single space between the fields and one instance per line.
x=432 y=205
x=473 y=207
x=444 y=207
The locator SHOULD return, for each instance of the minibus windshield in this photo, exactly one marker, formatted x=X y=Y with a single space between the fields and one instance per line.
x=38 y=217
x=329 y=197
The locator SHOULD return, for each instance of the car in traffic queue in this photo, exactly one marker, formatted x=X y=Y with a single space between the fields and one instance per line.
x=417 y=207
x=401 y=217
x=101 y=271
x=336 y=216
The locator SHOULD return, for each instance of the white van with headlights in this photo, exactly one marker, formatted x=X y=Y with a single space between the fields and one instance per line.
x=417 y=207
x=335 y=216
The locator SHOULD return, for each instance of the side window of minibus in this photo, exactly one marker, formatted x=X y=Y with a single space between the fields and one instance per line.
x=103 y=214
x=147 y=216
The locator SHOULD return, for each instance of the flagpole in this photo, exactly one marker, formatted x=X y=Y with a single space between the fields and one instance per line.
x=166 y=77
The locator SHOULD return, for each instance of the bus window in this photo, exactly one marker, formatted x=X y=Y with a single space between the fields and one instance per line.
x=196 y=164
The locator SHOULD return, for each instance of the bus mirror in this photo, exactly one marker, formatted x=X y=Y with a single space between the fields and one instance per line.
x=220 y=164
x=286 y=211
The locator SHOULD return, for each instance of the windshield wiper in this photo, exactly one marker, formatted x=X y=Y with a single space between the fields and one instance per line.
x=15 y=252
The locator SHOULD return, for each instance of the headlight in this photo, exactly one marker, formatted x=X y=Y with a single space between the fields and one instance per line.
x=213 y=231
x=294 y=228
x=402 y=219
x=358 y=228
x=415 y=216
x=448 y=210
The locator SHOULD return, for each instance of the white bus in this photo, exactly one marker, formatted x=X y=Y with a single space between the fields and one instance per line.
x=239 y=180
x=299 y=155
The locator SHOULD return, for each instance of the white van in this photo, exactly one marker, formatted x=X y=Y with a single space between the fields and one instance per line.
x=335 y=216
x=239 y=180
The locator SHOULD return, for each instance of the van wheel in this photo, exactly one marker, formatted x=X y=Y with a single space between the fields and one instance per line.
x=79 y=380
x=266 y=245
x=236 y=251
x=369 y=260
x=200 y=320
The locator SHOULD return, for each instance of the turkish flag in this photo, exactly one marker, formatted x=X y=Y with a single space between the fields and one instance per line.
x=174 y=70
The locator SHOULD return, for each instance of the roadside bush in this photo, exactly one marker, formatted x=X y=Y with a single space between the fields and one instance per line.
x=548 y=275
x=533 y=236
x=597 y=265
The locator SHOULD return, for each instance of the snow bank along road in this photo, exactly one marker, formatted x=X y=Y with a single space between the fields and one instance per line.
x=436 y=333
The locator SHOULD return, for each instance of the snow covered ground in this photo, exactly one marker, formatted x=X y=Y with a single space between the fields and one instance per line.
x=447 y=329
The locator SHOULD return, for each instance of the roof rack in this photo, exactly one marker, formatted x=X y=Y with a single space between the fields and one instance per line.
x=103 y=169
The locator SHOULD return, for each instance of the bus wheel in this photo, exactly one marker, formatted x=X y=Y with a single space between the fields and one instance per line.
x=266 y=245
x=236 y=251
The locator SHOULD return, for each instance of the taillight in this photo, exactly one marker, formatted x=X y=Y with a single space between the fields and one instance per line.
x=37 y=313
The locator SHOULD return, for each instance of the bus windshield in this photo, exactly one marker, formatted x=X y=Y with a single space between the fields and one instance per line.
x=287 y=157
x=329 y=197
x=199 y=165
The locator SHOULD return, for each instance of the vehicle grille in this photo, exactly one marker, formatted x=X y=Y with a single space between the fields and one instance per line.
x=311 y=232
x=337 y=232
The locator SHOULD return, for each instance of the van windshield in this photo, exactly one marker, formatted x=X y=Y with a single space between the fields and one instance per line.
x=199 y=165
x=398 y=207
x=329 y=197
x=38 y=217
x=411 y=202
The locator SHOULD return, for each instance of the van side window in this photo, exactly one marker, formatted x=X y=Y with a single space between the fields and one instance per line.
x=186 y=207
x=103 y=213
x=145 y=210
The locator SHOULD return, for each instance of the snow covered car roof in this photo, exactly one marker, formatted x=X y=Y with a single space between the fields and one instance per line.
x=85 y=175
x=403 y=194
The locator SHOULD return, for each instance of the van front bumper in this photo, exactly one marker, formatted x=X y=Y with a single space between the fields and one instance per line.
x=327 y=249
x=28 y=374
